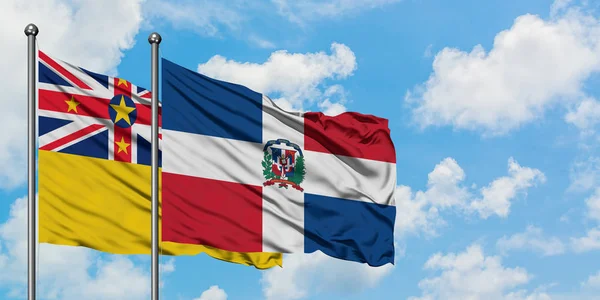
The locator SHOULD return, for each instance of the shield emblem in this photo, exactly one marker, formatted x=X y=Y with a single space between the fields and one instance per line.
x=284 y=161
x=283 y=164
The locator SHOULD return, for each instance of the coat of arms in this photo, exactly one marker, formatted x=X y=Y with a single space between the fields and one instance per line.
x=283 y=164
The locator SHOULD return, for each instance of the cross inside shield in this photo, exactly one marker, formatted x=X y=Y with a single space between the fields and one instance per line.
x=284 y=161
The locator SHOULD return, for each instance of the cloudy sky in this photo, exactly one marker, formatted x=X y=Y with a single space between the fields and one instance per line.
x=493 y=110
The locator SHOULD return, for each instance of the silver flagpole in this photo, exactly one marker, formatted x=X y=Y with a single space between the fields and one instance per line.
x=154 y=39
x=31 y=32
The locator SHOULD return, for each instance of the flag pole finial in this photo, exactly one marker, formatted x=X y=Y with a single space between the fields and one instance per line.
x=154 y=38
x=31 y=29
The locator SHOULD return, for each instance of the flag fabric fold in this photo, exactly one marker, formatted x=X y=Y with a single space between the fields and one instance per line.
x=241 y=174
x=94 y=166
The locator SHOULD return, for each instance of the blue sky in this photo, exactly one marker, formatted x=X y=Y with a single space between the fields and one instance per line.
x=492 y=108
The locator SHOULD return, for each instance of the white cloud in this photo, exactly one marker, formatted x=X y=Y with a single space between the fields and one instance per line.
x=213 y=293
x=331 y=109
x=302 y=11
x=559 y=6
x=334 y=100
x=524 y=295
x=532 y=239
x=295 y=77
x=168 y=266
x=118 y=278
x=415 y=214
x=532 y=66
x=586 y=115
x=205 y=17
x=566 y=217
x=428 y=51
x=585 y=174
x=164 y=269
x=261 y=42
x=593 y=282
x=91 y=34
x=591 y=241
x=216 y=18
x=443 y=185
x=593 y=205
x=587 y=243
x=66 y=272
x=419 y=212
x=305 y=274
x=472 y=275
x=496 y=196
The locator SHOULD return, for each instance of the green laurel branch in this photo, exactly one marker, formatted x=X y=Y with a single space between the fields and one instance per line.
x=266 y=163
x=299 y=171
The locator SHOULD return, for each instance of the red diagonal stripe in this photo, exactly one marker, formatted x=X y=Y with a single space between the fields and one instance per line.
x=90 y=106
x=71 y=137
x=63 y=71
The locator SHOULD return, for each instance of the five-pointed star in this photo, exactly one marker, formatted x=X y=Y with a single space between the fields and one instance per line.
x=123 y=111
x=122 y=81
x=72 y=104
x=122 y=145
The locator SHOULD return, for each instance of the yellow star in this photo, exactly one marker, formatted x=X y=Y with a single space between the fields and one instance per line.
x=72 y=104
x=122 y=81
x=122 y=145
x=123 y=111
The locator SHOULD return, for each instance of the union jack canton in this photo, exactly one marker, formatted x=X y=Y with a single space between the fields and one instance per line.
x=94 y=115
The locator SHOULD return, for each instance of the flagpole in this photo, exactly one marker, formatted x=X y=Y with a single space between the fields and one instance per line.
x=31 y=32
x=154 y=39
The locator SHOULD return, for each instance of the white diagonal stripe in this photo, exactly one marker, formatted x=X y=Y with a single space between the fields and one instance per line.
x=97 y=93
x=75 y=141
x=68 y=129
x=81 y=75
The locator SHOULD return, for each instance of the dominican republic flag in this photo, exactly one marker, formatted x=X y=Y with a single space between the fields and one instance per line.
x=241 y=174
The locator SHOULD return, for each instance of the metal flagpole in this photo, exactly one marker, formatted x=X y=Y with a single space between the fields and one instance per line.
x=31 y=32
x=154 y=39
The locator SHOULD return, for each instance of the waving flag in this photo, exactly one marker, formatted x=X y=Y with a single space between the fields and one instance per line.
x=94 y=165
x=92 y=115
x=241 y=174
